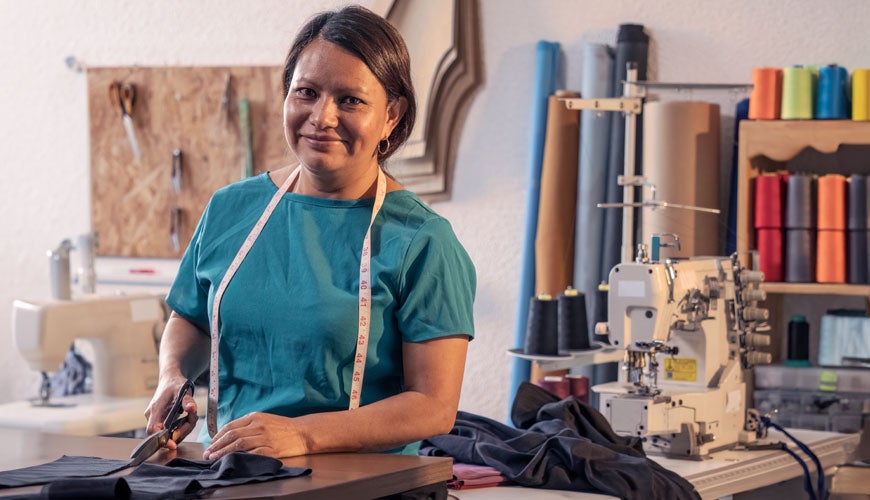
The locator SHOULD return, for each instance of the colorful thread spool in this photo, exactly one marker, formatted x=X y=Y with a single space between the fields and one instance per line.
x=797 y=93
x=766 y=96
x=861 y=95
x=832 y=95
x=831 y=236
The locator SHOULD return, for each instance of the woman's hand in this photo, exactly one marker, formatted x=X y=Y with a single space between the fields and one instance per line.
x=162 y=402
x=260 y=433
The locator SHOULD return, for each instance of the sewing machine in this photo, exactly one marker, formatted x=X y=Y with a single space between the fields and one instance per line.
x=123 y=331
x=689 y=329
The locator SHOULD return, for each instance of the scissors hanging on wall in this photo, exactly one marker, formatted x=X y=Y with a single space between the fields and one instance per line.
x=123 y=98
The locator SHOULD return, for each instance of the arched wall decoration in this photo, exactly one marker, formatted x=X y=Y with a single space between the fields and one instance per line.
x=443 y=39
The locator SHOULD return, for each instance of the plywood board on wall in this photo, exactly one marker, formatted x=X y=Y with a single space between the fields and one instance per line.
x=132 y=201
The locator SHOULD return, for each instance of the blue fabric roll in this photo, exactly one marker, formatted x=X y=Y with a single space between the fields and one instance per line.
x=546 y=71
x=741 y=113
x=597 y=81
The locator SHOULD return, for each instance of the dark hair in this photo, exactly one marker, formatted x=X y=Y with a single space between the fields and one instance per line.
x=375 y=42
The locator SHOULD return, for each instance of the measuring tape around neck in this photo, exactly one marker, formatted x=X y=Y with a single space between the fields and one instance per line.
x=365 y=298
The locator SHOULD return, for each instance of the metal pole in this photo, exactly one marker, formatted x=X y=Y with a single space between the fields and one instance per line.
x=628 y=170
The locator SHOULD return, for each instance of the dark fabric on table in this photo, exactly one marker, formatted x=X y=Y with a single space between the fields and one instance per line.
x=63 y=468
x=559 y=444
x=179 y=478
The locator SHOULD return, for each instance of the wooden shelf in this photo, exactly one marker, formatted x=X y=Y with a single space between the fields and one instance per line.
x=817 y=289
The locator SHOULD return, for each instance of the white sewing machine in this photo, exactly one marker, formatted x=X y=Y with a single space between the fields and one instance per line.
x=124 y=332
x=690 y=329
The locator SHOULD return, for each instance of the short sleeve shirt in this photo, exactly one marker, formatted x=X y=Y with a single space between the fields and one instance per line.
x=289 y=317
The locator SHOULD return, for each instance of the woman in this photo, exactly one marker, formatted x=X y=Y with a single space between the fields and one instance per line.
x=315 y=283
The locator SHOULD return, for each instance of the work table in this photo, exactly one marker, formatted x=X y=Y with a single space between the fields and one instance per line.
x=333 y=476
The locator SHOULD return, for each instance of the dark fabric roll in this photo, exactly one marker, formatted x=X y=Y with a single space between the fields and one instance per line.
x=800 y=205
x=857 y=265
x=632 y=46
x=740 y=113
x=800 y=256
x=857 y=216
x=542 y=333
x=573 y=331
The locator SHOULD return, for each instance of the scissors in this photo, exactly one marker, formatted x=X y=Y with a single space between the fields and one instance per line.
x=154 y=442
x=123 y=97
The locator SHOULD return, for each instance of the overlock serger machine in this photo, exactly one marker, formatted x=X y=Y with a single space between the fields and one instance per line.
x=124 y=332
x=689 y=329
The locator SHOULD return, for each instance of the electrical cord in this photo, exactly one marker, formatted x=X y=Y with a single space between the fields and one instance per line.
x=820 y=483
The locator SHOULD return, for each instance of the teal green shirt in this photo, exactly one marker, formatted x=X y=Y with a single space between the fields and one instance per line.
x=288 y=319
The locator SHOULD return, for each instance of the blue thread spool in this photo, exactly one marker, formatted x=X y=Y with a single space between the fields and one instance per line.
x=832 y=100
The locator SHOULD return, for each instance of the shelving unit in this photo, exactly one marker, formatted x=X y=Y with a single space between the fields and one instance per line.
x=780 y=141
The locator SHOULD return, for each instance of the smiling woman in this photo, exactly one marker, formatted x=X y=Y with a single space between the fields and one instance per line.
x=337 y=318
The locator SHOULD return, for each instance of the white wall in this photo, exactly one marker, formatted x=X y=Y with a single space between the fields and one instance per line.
x=44 y=188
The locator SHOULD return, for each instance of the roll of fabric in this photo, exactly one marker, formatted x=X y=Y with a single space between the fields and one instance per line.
x=597 y=81
x=541 y=330
x=632 y=46
x=573 y=330
x=766 y=97
x=832 y=94
x=861 y=94
x=546 y=71
x=554 y=242
x=797 y=93
x=800 y=255
x=681 y=157
x=741 y=112
x=831 y=202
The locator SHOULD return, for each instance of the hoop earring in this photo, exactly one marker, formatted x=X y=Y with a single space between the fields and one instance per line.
x=382 y=150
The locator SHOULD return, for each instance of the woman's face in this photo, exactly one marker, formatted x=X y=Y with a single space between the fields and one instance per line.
x=336 y=110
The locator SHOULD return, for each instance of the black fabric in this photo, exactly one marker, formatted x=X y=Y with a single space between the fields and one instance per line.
x=180 y=478
x=563 y=445
x=65 y=467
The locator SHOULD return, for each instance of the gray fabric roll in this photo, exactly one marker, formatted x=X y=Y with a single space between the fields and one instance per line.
x=597 y=81
x=800 y=257
x=799 y=208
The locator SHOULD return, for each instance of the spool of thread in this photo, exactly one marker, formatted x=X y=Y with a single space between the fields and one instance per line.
x=831 y=202
x=832 y=95
x=798 y=342
x=768 y=201
x=557 y=385
x=857 y=224
x=831 y=256
x=573 y=325
x=861 y=94
x=766 y=96
x=541 y=329
x=799 y=209
x=800 y=255
x=768 y=224
x=769 y=243
x=797 y=93
x=579 y=387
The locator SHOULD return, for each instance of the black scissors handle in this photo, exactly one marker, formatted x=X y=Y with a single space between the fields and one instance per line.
x=172 y=421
